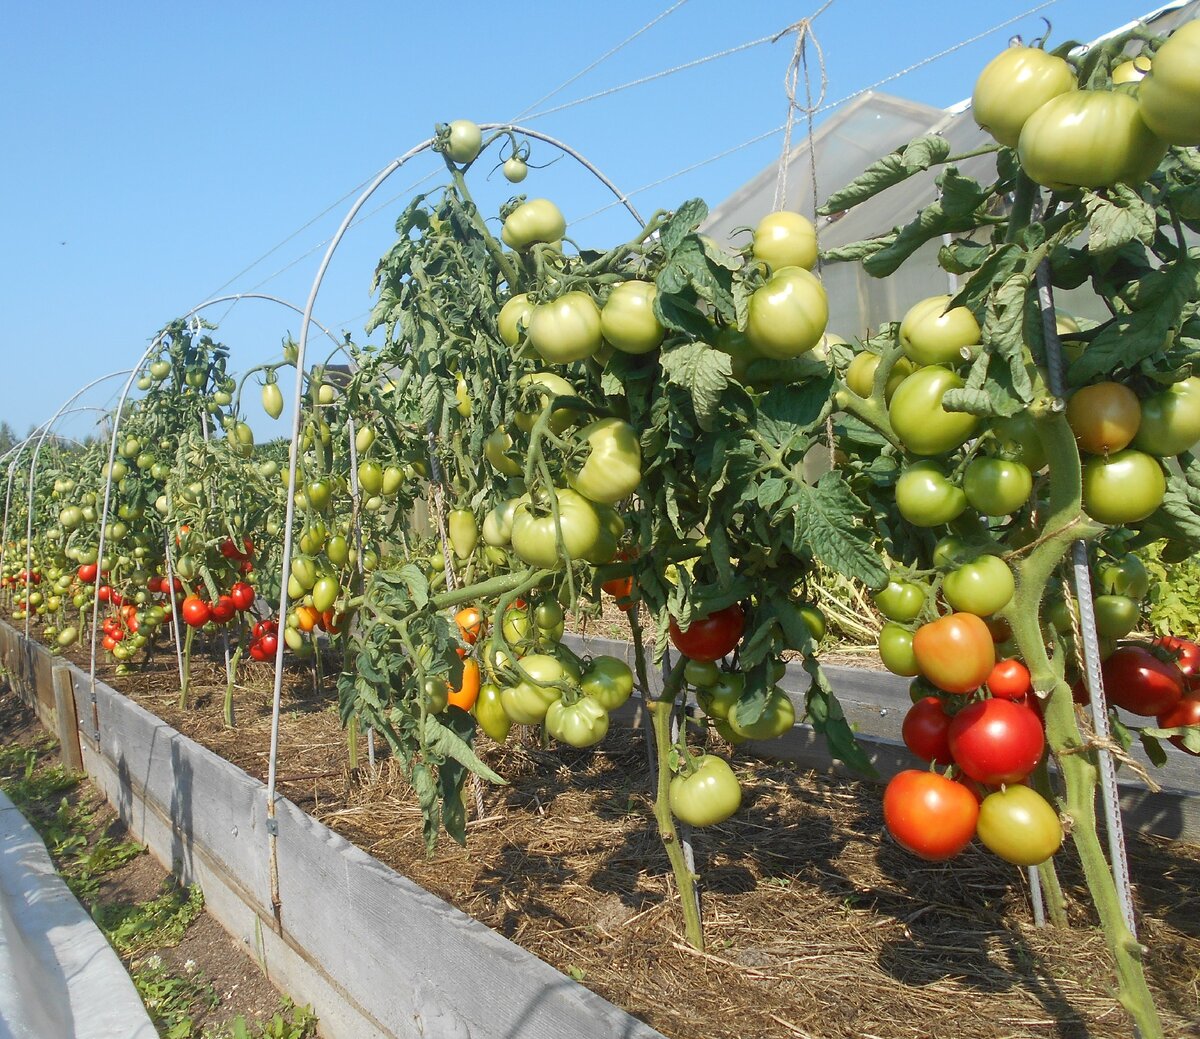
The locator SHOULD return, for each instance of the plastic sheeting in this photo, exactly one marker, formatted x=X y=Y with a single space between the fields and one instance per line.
x=843 y=146
x=59 y=977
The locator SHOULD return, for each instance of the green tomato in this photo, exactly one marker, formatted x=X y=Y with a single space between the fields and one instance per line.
x=463 y=532
x=1169 y=98
x=370 y=477
x=920 y=421
x=1170 y=421
x=496 y=449
x=159 y=370
x=1019 y=825
x=514 y=318
x=534 y=533
x=787 y=316
x=778 y=717
x=489 y=712
x=515 y=169
x=860 y=376
x=538 y=220
x=613 y=467
x=436 y=694
x=708 y=795
x=981 y=587
x=996 y=487
x=701 y=673
x=528 y=701
x=901 y=600
x=568 y=329
x=1124 y=576
x=896 y=650
x=497 y=524
x=1116 y=616
x=608 y=681
x=926 y=497
x=717 y=699
x=464 y=141
x=1014 y=85
x=583 y=723
x=546 y=386
x=337 y=550
x=931 y=334
x=627 y=320
x=1089 y=139
x=785 y=239
x=1124 y=488
x=325 y=593
x=272 y=399
x=1018 y=440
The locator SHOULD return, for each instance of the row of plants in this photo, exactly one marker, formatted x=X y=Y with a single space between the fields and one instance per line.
x=635 y=422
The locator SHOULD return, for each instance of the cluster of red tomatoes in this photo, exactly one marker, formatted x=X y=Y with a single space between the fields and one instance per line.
x=1160 y=680
x=980 y=716
x=264 y=640
x=197 y=612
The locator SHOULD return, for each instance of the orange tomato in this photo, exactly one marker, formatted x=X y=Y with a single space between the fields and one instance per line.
x=307 y=617
x=470 y=624
x=466 y=694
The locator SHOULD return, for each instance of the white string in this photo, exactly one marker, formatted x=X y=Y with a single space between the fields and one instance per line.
x=823 y=108
x=791 y=79
x=599 y=61
x=652 y=77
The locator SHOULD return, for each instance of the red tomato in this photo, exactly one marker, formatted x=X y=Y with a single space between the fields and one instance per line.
x=269 y=643
x=109 y=643
x=86 y=573
x=223 y=610
x=104 y=593
x=265 y=627
x=242 y=595
x=1134 y=678
x=1188 y=660
x=1009 y=680
x=711 y=637
x=926 y=730
x=997 y=741
x=1185 y=712
x=229 y=550
x=929 y=815
x=256 y=650
x=196 y=612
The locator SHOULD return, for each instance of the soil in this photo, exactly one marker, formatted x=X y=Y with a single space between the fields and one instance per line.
x=816 y=924
x=206 y=951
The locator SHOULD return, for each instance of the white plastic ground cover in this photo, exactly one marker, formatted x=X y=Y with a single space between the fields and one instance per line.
x=59 y=977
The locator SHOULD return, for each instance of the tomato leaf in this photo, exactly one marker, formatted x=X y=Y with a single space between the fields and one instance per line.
x=892 y=169
x=827 y=520
x=826 y=716
x=1160 y=302
x=954 y=212
x=1117 y=217
x=682 y=223
x=1153 y=748
x=704 y=373
x=963 y=256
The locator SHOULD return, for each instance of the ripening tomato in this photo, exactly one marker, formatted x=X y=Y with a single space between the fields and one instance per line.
x=997 y=741
x=1187 y=657
x=1014 y=85
x=1185 y=713
x=955 y=652
x=711 y=637
x=538 y=220
x=1104 y=417
x=470 y=624
x=926 y=731
x=468 y=691
x=931 y=334
x=1019 y=825
x=929 y=815
x=785 y=239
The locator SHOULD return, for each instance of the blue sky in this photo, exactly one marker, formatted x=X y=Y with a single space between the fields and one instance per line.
x=154 y=151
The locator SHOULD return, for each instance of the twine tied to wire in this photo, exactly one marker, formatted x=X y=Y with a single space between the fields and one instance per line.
x=804 y=33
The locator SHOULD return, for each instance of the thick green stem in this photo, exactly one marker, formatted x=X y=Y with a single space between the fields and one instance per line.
x=660 y=715
x=187 y=668
x=352 y=743
x=1078 y=769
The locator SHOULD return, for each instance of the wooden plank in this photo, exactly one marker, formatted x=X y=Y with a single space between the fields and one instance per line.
x=68 y=720
x=345 y=907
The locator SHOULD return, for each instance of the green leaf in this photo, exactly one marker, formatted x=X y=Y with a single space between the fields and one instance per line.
x=826 y=715
x=963 y=256
x=703 y=372
x=826 y=520
x=892 y=169
x=954 y=212
x=1155 y=750
x=683 y=222
x=1117 y=217
x=448 y=745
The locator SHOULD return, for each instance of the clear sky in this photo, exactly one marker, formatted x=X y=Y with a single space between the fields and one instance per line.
x=154 y=151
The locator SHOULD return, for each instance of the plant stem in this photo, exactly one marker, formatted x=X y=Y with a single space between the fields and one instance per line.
x=233 y=666
x=187 y=668
x=1079 y=770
